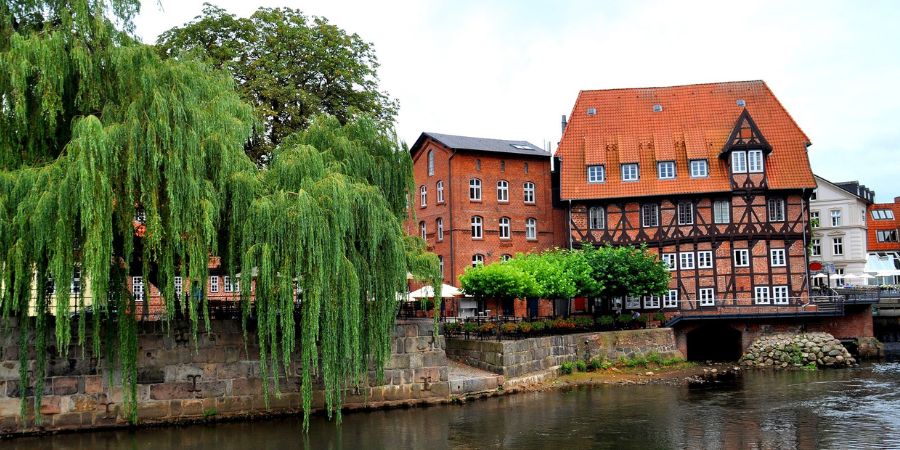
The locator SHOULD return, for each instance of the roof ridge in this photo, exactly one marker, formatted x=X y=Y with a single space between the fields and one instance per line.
x=718 y=83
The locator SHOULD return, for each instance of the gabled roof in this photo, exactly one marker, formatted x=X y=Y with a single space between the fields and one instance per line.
x=481 y=144
x=677 y=123
x=851 y=189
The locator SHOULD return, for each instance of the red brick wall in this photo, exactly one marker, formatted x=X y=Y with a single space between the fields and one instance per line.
x=455 y=169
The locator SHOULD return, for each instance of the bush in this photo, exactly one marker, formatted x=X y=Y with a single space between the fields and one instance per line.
x=595 y=364
x=672 y=361
x=566 y=368
x=452 y=327
x=487 y=328
x=525 y=327
x=624 y=319
x=580 y=366
x=538 y=326
x=470 y=327
x=509 y=327
x=584 y=322
x=606 y=320
x=659 y=317
x=548 y=324
x=655 y=358
x=642 y=321
x=639 y=360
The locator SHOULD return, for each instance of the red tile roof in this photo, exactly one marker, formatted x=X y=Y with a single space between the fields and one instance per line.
x=875 y=225
x=694 y=123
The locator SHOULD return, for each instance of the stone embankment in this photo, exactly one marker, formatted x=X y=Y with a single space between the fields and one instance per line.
x=787 y=350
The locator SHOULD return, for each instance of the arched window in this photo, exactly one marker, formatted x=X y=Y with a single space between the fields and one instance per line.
x=477 y=225
x=505 y=257
x=531 y=228
x=502 y=191
x=475 y=189
x=430 y=162
x=440 y=228
x=423 y=196
x=440 y=191
x=504 y=228
x=477 y=259
x=596 y=218
x=422 y=230
x=528 y=192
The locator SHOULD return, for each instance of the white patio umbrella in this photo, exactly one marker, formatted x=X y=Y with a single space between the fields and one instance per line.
x=862 y=276
x=447 y=291
x=819 y=275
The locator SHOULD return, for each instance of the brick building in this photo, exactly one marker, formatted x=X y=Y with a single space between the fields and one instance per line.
x=883 y=242
x=482 y=200
x=713 y=177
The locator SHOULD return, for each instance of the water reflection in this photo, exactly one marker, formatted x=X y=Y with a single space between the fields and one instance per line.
x=806 y=410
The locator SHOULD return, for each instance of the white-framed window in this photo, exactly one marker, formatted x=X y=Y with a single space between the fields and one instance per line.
x=886 y=235
x=505 y=257
x=441 y=264
x=755 y=161
x=707 y=296
x=596 y=218
x=632 y=302
x=531 y=228
x=739 y=162
x=776 y=210
x=179 y=285
x=596 y=174
x=665 y=170
x=630 y=172
x=649 y=215
x=137 y=288
x=814 y=219
x=699 y=168
x=670 y=299
x=761 y=295
x=617 y=303
x=777 y=257
x=502 y=191
x=839 y=277
x=423 y=196
x=837 y=246
x=475 y=189
x=816 y=247
x=439 y=224
x=836 y=218
x=477 y=259
x=439 y=187
x=685 y=213
x=504 y=228
x=528 y=192
x=651 y=302
x=669 y=259
x=687 y=260
x=721 y=211
x=423 y=232
x=780 y=295
x=882 y=214
x=214 y=284
x=430 y=162
x=704 y=259
x=75 y=285
x=226 y=282
x=741 y=257
x=477 y=227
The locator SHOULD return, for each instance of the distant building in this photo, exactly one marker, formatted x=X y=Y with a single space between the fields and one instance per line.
x=482 y=200
x=713 y=177
x=883 y=242
x=837 y=216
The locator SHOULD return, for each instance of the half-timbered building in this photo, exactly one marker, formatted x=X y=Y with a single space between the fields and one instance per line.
x=713 y=177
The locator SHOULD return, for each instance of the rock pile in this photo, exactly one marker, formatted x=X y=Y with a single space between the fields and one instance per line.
x=782 y=351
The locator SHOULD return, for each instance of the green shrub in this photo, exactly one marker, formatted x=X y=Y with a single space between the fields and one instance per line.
x=580 y=365
x=509 y=327
x=538 y=326
x=655 y=358
x=470 y=327
x=672 y=361
x=487 y=328
x=596 y=364
x=624 y=319
x=659 y=317
x=639 y=360
x=452 y=327
x=525 y=327
x=812 y=367
x=584 y=322
x=606 y=320
x=566 y=368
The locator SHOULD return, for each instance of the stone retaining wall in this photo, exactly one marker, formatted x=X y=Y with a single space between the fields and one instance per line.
x=219 y=379
x=517 y=358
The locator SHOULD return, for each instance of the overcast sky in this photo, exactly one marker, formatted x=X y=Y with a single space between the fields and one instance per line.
x=510 y=69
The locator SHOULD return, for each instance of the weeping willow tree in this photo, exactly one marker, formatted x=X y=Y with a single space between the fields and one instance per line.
x=96 y=130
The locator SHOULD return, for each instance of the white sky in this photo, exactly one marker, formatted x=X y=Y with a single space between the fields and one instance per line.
x=510 y=69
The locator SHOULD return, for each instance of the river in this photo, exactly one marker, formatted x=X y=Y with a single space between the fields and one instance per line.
x=828 y=409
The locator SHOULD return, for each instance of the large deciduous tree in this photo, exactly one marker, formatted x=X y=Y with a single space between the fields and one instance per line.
x=97 y=129
x=289 y=66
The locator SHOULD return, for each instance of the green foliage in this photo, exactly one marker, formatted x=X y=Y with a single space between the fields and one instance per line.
x=606 y=320
x=672 y=361
x=538 y=326
x=654 y=358
x=811 y=367
x=470 y=327
x=626 y=271
x=637 y=361
x=509 y=327
x=659 y=317
x=580 y=365
x=567 y=368
x=498 y=281
x=210 y=412
x=289 y=66
x=599 y=364
x=624 y=319
x=95 y=127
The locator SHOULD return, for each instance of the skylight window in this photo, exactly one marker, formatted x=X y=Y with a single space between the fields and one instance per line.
x=522 y=146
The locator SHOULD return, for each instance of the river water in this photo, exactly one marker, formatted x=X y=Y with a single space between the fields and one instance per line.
x=828 y=409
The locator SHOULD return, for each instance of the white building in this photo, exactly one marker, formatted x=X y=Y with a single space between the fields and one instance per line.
x=837 y=216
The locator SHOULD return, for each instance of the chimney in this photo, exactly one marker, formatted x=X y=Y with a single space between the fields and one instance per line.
x=563 y=123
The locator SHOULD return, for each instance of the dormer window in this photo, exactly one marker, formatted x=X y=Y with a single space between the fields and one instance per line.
x=666 y=170
x=755 y=161
x=630 y=172
x=739 y=162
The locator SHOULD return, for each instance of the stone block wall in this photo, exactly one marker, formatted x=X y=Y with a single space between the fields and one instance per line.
x=220 y=378
x=525 y=356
